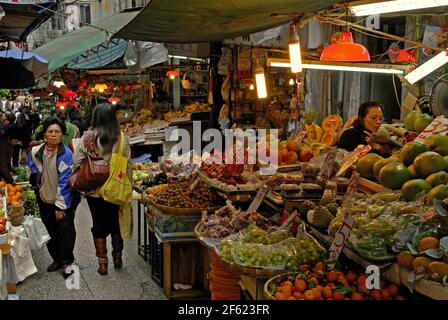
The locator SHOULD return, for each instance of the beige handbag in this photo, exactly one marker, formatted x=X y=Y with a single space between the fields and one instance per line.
x=192 y=82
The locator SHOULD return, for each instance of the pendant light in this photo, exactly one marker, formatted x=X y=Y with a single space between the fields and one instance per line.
x=291 y=82
x=345 y=50
x=294 y=49
x=260 y=81
x=251 y=87
x=114 y=100
x=101 y=87
x=172 y=74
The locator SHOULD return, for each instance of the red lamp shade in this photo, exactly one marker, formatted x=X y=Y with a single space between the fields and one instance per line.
x=345 y=49
x=114 y=100
x=172 y=74
x=61 y=104
x=69 y=94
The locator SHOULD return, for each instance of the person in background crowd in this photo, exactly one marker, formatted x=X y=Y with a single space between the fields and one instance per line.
x=76 y=119
x=104 y=214
x=50 y=165
x=9 y=136
x=72 y=131
x=370 y=118
x=24 y=123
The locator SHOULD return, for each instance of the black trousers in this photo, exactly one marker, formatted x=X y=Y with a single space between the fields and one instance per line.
x=62 y=232
x=104 y=216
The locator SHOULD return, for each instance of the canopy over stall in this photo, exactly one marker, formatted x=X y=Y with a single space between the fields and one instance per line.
x=20 y=20
x=65 y=49
x=181 y=21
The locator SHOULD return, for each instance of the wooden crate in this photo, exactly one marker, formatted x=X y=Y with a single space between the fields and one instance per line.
x=185 y=262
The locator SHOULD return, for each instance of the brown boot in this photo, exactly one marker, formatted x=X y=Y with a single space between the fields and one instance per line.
x=101 y=253
x=117 y=249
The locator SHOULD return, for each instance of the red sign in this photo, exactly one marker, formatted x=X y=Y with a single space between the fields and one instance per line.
x=360 y=151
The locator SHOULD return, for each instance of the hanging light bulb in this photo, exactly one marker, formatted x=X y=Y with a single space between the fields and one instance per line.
x=260 y=81
x=251 y=87
x=345 y=49
x=294 y=49
x=172 y=74
x=100 y=87
x=291 y=82
x=114 y=100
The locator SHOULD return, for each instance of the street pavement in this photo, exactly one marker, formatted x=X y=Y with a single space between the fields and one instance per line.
x=133 y=282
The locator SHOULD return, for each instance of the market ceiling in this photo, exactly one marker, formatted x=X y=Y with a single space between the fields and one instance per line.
x=191 y=21
x=17 y=21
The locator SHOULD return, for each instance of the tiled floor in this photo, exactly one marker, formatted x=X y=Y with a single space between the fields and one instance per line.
x=132 y=282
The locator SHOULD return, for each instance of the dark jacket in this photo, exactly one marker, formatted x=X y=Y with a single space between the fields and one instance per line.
x=353 y=137
x=5 y=159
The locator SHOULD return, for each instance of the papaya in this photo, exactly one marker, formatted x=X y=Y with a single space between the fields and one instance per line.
x=437 y=270
x=329 y=138
x=314 y=133
x=331 y=123
x=420 y=265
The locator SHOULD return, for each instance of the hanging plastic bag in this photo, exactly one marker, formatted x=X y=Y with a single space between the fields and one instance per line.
x=117 y=189
x=125 y=221
x=22 y=265
x=36 y=232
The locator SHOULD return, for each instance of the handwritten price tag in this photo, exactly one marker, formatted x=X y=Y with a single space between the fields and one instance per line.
x=360 y=151
x=352 y=184
x=328 y=166
x=194 y=184
x=261 y=194
x=340 y=239
x=438 y=126
x=300 y=136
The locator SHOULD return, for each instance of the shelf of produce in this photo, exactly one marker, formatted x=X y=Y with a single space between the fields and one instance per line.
x=430 y=289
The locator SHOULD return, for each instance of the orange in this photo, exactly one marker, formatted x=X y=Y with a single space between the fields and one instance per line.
x=291 y=298
x=15 y=203
x=280 y=296
x=351 y=276
x=386 y=294
x=18 y=195
x=338 y=296
x=286 y=290
x=376 y=295
x=286 y=283
x=309 y=295
x=300 y=285
x=2 y=184
x=297 y=295
x=319 y=266
x=393 y=290
x=332 y=276
x=357 y=296
x=18 y=188
x=317 y=293
x=327 y=292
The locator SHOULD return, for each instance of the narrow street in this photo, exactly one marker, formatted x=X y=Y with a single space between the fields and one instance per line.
x=133 y=282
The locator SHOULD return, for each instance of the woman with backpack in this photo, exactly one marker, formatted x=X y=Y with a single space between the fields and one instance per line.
x=102 y=140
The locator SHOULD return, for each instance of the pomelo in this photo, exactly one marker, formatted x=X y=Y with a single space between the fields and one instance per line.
x=411 y=150
x=438 y=143
x=380 y=164
x=365 y=165
x=409 y=120
x=422 y=121
x=440 y=193
x=437 y=178
x=412 y=188
x=428 y=163
x=394 y=175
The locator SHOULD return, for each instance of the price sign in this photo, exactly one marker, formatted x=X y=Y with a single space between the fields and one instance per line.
x=438 y=126
x=288 y=221
x=352 y=184
x=300 y=136
x=360 y=151
x=261 y=194
x=340 y=239
x=194 y=184
x=328 y=166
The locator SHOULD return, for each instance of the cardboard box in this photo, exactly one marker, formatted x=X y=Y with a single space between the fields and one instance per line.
x=171 y=227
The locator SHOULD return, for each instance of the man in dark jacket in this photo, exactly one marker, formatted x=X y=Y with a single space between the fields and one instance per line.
x=9 y=136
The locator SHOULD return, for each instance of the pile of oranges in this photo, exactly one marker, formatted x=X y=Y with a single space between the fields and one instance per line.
x=318 y=284
x=15 y=194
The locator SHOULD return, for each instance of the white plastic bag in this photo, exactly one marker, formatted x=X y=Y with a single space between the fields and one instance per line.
x=23 y=264
x=37 y=232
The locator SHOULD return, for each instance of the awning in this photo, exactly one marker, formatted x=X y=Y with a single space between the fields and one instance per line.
x=63 y=50
x=100 y=56
x=182 y=21
x=21 y=19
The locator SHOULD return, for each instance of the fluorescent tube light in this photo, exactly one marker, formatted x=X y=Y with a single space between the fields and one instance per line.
x=428 y=67
x=186 y=58
x=260 y=81
x=395 y=6
x=295 y=55
x=337 y=68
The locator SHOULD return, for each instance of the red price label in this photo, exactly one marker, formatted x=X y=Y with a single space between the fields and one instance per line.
x=340 y=239
x=301 y=136
x=438 y=126
x=352 y=184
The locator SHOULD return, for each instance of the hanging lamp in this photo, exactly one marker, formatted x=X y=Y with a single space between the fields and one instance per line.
x=295 y=55
x=345 y=49
x=114 y=100
x=172 y=74
x=101 y=87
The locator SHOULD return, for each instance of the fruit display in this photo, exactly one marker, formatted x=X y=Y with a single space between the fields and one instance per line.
x=30 y=205
x=319 y=284
x=178 y=195
x=378 y=220
x=196 y=107
x=322 y=215
x=285 y=254
x=417 y=121
x=175 y=114
x=229 y=220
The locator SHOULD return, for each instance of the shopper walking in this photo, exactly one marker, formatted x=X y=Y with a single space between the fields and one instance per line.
x=50 y=165
x=105 y=215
